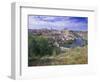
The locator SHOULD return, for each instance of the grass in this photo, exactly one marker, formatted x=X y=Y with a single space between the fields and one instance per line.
x=76 y=55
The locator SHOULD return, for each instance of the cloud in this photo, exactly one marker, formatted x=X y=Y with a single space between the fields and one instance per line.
x=58 y=22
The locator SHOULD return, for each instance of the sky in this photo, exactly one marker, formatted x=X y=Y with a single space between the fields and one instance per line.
x=58 y=22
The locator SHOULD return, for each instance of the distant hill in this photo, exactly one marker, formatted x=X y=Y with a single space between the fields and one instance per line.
x=70 y=33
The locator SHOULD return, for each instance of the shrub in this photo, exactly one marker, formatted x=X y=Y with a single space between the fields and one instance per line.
x=40 y=46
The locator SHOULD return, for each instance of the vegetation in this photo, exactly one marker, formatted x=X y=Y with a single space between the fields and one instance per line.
x=40 y=46
x=76 y=55
x=42 y=51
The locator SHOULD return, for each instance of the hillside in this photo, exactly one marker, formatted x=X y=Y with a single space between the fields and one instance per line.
x=57 y=47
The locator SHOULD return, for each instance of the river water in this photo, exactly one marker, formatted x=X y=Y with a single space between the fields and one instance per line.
x=77 y=42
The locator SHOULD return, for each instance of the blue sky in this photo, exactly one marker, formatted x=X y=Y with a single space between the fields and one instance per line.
x=58 y=22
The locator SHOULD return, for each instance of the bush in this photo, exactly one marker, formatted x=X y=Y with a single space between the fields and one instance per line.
x=40 y=46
